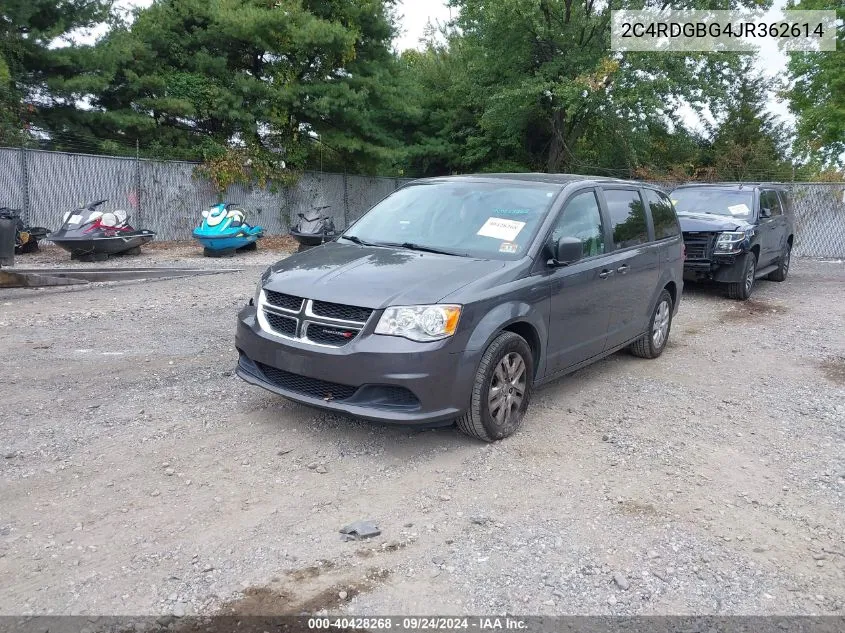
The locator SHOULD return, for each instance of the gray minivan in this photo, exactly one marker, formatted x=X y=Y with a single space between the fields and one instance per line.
x=453 y=297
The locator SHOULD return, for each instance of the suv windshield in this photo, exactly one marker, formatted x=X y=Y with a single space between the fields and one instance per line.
x=486 y=220
x=737 y=204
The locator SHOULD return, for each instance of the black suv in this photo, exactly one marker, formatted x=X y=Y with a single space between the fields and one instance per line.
x=735 y=233
x=453 y=297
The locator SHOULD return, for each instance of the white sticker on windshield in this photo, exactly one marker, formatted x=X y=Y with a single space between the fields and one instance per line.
x=75 y=219
x=500 y=229
x=739 y=209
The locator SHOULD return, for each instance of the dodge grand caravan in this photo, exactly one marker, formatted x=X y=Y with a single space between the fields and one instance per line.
x=453 y=297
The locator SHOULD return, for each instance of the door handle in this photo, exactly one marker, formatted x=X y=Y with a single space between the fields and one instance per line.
x=622 y=269
x=605 y=273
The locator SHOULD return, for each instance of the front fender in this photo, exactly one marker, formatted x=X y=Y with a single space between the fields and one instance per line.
x=507 y=314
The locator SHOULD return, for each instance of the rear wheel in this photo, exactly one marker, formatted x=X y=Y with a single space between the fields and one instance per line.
x=783 y=265
x=741 y=289
x=502 y=389
x=652 y=343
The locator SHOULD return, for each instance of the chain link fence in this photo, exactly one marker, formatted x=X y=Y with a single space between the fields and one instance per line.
x=167 y=197
x=819 y=219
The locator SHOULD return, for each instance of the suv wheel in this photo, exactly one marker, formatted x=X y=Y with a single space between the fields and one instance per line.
x=741 y=289
x=501 y=391
x=653 y=342
x=783 y=265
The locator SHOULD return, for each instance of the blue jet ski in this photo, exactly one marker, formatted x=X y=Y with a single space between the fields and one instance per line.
x=224 y=231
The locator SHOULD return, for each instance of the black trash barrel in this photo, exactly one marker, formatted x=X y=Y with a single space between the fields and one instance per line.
x=8 y=229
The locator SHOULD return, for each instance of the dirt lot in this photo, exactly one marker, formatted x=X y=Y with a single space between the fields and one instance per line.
x=140 y=476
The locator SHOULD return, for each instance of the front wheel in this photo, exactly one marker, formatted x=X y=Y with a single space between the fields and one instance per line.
x=741 y=289
x=652 y=343
x=501 y=391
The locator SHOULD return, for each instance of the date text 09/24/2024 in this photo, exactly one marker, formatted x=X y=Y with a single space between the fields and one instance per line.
x=418 y=623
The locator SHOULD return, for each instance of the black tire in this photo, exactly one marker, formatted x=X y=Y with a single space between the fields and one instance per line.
x=479 y=421
x=653 y=341
x=250 y=247
x=741 y=290
x=783 y=265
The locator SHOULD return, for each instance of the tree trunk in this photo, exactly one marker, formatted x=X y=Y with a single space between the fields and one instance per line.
x=558 y=150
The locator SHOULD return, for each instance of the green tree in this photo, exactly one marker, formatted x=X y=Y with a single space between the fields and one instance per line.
x=817 y=95
x=248 y=85
x=748 y=143
x=439 y=116
x=32 y=57
x=535 y=78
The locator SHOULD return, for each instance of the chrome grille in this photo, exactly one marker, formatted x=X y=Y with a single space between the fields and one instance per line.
x=283 y=301
x=281 y=324
x=340 y=312
x=317 y=322
x=330 y=334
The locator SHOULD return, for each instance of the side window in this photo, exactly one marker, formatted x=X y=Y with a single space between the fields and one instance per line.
x=627 y=217
x=662 y=214
x=581 y=218
x=769 y=199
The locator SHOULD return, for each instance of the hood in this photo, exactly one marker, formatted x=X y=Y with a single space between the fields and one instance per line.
x=375 y=277
x=701 y=222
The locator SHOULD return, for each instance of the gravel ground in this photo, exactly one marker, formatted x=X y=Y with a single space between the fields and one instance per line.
x=140 y=476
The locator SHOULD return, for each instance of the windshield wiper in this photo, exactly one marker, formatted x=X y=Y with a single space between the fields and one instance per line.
x=357 y=240
x=427 y=249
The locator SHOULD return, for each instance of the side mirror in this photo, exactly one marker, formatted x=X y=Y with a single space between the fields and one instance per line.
x=765 y=212
x=568 y=250
x=301 y=215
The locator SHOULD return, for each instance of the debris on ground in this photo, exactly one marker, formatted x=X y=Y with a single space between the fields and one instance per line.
x=359 y=530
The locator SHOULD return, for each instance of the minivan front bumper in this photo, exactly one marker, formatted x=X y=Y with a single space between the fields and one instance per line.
x=375 y=377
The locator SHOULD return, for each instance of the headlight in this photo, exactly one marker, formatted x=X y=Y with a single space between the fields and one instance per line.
x=729 y=241
x=260 y=286
x=420 y=323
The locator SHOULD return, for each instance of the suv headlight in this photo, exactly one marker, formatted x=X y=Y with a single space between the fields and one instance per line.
x=420 y=323
x=730 y=241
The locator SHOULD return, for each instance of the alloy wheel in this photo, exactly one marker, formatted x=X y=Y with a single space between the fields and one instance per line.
x=507 y=388
x=749 y=276
x=660 y=329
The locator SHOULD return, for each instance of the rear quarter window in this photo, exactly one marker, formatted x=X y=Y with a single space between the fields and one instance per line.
x=662 y=214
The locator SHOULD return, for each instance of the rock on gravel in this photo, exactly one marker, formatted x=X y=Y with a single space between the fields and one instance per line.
x=621 y=581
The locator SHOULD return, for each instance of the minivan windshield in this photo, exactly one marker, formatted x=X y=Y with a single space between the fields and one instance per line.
x=473 y=219
x=735 y=203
